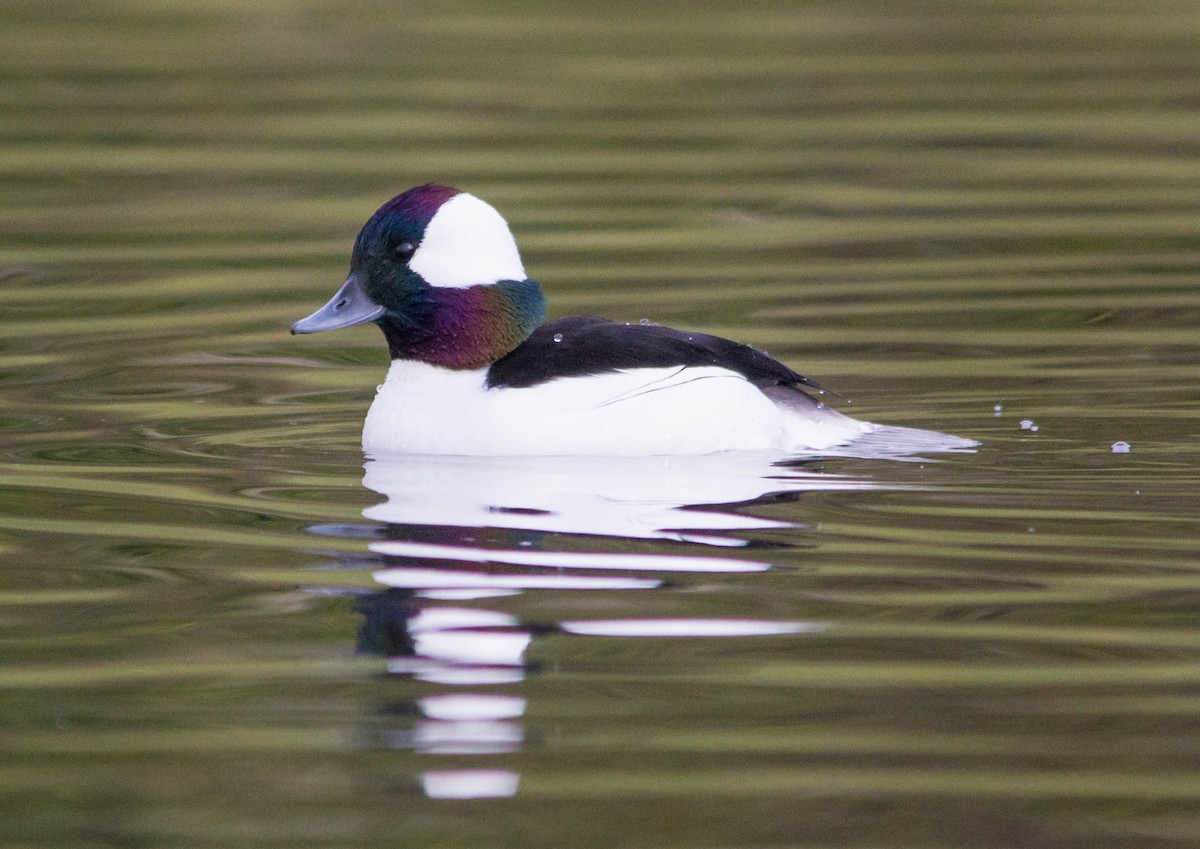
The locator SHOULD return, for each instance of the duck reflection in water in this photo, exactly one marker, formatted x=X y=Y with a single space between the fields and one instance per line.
x=454 y=531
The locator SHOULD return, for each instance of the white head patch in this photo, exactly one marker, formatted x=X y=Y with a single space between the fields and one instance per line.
x=467 y=243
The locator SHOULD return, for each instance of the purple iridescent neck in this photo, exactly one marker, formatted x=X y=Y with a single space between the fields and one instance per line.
x=467 y=328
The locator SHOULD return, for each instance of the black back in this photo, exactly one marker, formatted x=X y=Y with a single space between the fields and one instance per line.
x=587 y=345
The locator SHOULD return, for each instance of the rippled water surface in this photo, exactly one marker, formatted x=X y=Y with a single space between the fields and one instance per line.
x=218 y=627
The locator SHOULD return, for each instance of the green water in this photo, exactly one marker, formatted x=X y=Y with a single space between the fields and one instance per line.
x=934 y=209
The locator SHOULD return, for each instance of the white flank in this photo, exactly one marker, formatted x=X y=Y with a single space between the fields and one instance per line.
x=467 y=244
x=425 y=409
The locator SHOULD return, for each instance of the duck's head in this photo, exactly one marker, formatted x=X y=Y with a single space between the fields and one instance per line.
x=438 y=270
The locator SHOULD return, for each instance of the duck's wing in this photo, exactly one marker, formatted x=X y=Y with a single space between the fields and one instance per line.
x=585 y=345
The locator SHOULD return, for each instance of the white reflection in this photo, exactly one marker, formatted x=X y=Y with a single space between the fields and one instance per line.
x=442 y=618
x=567 y=559
x=478 y=648
x=471 y=706
x=459 y=646
x=427 y=578
x=468 y=528
x=470 y=783
x=689 y=628
x=632 y=497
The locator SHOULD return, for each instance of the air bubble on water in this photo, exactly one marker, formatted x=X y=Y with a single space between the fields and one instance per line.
x=557 y=337
x=1121 y=447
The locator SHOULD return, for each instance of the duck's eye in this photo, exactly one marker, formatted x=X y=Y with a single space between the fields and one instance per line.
x=403 y=251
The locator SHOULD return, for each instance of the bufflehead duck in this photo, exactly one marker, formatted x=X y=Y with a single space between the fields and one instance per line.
x=476 y=371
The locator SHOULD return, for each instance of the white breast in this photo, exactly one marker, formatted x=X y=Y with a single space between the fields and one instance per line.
x=426 y=409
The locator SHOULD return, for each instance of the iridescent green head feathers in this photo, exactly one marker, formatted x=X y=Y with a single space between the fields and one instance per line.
x=438 y=270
